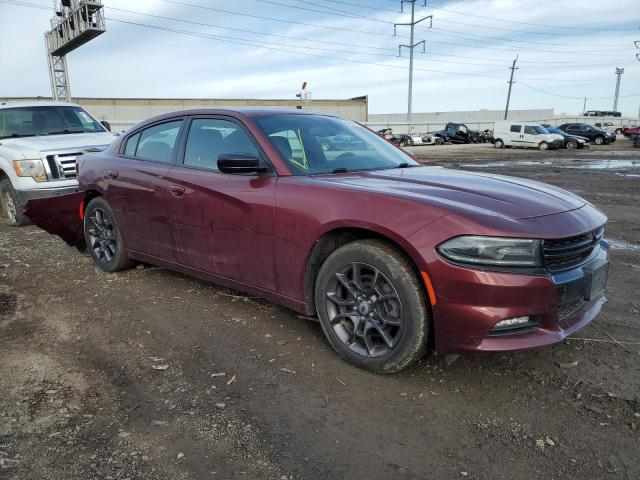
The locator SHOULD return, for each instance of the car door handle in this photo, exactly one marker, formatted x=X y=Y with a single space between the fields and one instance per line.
x=112 y=174
x=177 y=190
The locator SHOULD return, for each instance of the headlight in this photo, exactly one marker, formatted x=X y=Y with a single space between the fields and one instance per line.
x=30 y=168
x=494 y=251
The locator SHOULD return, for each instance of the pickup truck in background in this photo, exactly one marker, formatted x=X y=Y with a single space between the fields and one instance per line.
x=39 y=145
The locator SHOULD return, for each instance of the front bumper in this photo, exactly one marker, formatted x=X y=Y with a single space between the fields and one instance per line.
x=25 y=195
x=471 y=302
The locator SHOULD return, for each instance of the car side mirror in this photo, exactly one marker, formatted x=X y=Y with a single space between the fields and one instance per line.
x=239 y=163
x=106 y=125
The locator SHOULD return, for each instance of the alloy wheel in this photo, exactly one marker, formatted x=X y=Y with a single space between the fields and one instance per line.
x=102 y=236
x=364 y=310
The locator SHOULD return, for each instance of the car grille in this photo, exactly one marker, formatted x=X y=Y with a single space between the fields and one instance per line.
x=62 y=166
x=565 y=253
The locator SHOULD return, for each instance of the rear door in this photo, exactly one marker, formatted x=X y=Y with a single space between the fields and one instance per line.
x=137 y=188
x=223 y=223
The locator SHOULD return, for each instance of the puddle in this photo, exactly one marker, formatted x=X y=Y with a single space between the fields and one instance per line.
x=506 y=164
x=628 y=174
x=622 y=245
x=565 y=163
x=605 y=164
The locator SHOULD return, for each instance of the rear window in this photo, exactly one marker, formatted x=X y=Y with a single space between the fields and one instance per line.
x=155 y=143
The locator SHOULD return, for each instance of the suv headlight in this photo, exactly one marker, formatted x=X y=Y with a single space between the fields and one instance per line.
x=492 y=251
x=30 y=168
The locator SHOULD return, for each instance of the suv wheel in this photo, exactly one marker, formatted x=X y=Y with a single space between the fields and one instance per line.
x=103 y=238
x=543 y=146
x=599 y=140
x=498 y=143
x=372 y=307
x=10 y=206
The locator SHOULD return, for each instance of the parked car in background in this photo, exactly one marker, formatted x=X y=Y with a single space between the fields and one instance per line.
x=601 y=113
x=457 y=133
x=430 y=139
x=571 y=142
x=391 y=255
x=594 y=134
x=631 y=131
x=39 y=145
x=608 y=127
x=401 y=139
x=525 y=135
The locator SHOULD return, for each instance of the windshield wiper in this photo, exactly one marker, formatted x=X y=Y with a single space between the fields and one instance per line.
x=61 y=132
x=340 y=170
x=18 y=135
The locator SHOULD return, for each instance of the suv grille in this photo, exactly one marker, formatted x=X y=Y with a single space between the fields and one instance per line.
x=565 y=253
x=62 y=166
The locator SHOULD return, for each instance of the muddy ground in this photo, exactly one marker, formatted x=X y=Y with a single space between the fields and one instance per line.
x=148 y=374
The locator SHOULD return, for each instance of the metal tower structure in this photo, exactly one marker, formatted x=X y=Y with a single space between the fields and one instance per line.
x=619 y=72
x=411 y=45
x=513 y=68
x=75 y=23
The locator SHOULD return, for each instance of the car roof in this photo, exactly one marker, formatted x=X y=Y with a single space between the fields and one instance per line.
x=5 y=105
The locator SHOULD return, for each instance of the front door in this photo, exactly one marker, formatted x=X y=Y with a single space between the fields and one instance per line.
x=223 y=223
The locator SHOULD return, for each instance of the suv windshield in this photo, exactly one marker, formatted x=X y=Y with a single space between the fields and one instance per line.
x=313 y=144
x=46 y=120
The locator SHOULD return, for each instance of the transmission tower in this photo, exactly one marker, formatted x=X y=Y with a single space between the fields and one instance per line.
x=75 y=23
x=619 y=72
x=411 y=45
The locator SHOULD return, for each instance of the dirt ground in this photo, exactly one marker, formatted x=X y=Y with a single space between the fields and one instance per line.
x=148 y=374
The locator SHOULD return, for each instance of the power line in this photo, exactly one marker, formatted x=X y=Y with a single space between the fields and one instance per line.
x=467 y=14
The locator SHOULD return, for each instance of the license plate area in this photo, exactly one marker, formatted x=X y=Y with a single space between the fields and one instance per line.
x=596 y=281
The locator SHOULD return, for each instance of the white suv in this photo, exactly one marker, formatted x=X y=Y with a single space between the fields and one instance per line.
x=39 y=144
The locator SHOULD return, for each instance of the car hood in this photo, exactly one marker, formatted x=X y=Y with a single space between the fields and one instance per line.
x=457 y=191
x=58 y=142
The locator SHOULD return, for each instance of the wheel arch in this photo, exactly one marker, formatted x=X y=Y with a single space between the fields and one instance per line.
x=334 y=238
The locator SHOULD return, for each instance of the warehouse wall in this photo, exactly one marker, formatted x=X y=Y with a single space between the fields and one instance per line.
x=123 y=113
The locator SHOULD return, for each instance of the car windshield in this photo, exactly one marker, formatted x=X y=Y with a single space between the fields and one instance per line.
x=557 y=131
x=316 y=144
x=46 y=120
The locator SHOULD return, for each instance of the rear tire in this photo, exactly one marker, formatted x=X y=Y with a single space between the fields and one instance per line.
x=379 y=335
x=10 y=206
x=103 y=237
x=543 y=146
x=498 y=143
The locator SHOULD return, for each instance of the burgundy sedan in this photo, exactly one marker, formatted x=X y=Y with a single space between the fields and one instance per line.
x=321 y=215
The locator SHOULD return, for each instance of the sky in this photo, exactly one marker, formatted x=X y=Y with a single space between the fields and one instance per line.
x=567 y=50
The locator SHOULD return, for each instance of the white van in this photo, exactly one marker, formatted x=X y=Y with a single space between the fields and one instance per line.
x=524 y=134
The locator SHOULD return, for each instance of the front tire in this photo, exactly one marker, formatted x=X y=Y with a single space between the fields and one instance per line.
x=372 y=307
x=599 y=140
x=572 y=145
x=103 y=237
x=10 y=206
x=498 y=143
x=543 y=146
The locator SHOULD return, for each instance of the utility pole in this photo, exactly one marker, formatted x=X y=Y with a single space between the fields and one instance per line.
x=619 y=72
x=584 y=106
x=411 y=45
x=513 y=68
